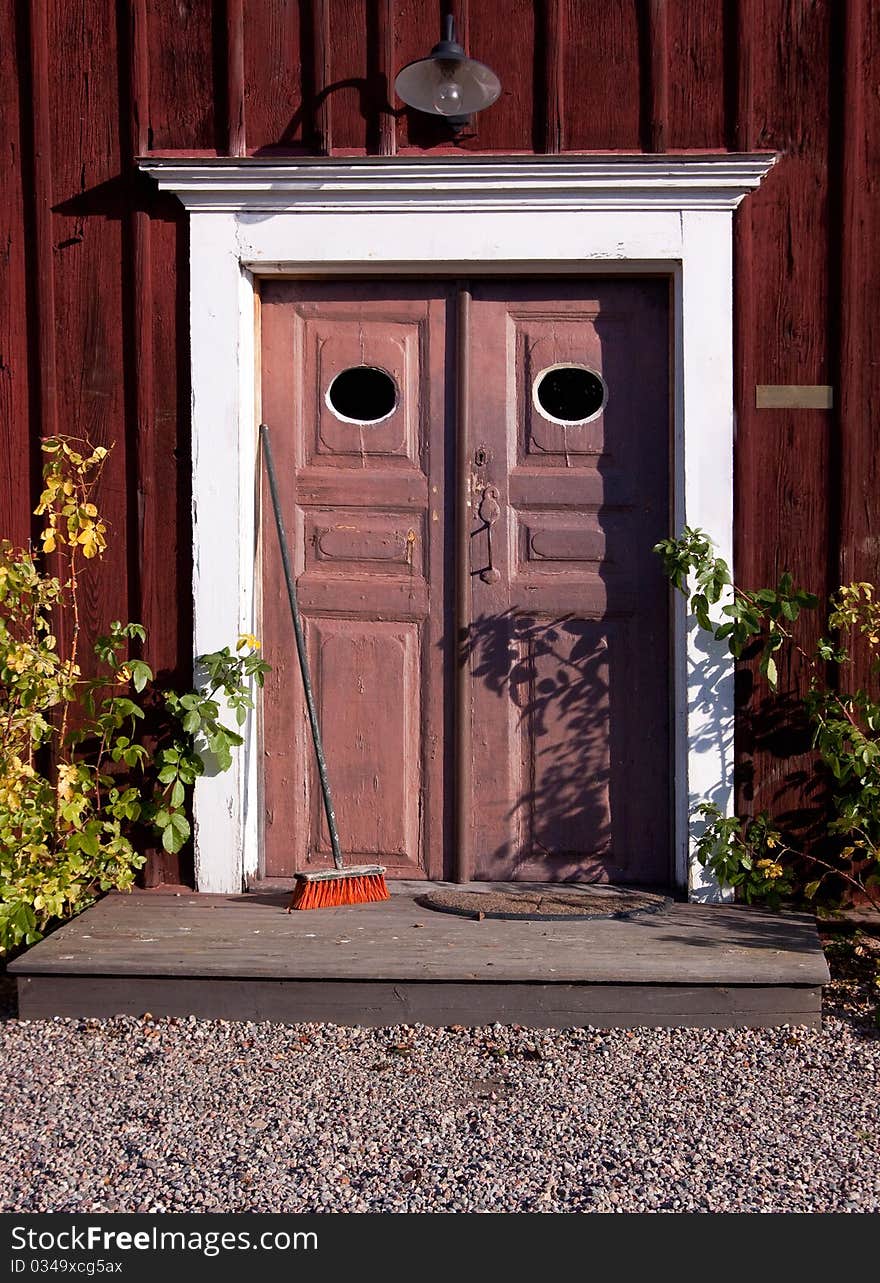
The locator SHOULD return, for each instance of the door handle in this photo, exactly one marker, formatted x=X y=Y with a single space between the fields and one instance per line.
x=489 y=511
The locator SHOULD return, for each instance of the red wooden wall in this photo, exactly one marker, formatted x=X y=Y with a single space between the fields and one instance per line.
x=93 y=329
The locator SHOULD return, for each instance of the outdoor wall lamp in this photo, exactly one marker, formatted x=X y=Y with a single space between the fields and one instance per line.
x=448 y=83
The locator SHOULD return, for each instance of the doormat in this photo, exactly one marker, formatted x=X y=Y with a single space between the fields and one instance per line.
x=549 y=904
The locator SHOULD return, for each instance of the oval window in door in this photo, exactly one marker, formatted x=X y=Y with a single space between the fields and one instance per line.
x=362 y=394
x=569 y=394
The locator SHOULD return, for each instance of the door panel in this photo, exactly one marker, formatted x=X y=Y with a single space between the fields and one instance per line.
x=365 y=504
x=367 y=684
x=568 y=644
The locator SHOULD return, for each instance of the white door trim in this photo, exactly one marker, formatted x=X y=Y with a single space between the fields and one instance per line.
x=576 y=215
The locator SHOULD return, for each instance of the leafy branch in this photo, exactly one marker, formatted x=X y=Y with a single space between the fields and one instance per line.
x=751 y=853
x=764 y=614
x=81 y=776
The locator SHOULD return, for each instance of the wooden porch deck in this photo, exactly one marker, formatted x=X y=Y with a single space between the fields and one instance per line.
x=244 y=958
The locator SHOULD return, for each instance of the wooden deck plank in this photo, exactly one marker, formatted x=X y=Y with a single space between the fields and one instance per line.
x=250 y=937
x=370 y=1003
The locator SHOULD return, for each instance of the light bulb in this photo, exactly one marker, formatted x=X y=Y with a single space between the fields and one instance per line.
x=447 y=99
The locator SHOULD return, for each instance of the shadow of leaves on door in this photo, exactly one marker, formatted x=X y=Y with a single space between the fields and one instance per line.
x=556 y=675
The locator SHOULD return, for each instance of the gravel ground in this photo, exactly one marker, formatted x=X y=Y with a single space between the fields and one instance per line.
x=165 y=1115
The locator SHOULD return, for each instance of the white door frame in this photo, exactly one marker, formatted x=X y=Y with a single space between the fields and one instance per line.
x=572 y=215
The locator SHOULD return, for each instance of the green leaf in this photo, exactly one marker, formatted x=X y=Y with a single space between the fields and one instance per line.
x=141 y=673
x=176 y=833
x=171 y=840
x=89 y=844
x=811 y=888
x=178 y=793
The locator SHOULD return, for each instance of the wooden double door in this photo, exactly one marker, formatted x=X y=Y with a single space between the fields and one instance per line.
x=493 y=681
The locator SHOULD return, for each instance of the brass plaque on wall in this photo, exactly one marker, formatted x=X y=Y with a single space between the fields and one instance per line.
x=794 y=396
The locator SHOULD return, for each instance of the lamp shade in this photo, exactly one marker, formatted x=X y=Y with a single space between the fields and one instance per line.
x=448 y=86
x=448 y=83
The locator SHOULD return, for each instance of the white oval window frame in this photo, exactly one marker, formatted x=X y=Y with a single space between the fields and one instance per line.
x=362 y=423
x=568 y=365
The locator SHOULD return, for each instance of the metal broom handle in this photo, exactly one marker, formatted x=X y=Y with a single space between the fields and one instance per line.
x=301 y=650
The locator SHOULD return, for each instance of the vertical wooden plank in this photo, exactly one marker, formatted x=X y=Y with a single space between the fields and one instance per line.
x=182 y=73
x=355 y=41
x=696 y=81
x=236 y=144
x=782 y=297
x=602 y=81
x=16 y=442
x=150 y=532
x=503 y=35
x=139 y=79
x=277 y=89
x=551 y=93
x=358 y=55
x=139 y=353
x=380 y=125
x=656 y=77
x=858 y=418
x=166 y=587
x=854 y=426
x=386 y=71
x=741 y=134
x=41 y=186
x=321 y=77
x=461 y=12
x=88 y=220
x=147 y=588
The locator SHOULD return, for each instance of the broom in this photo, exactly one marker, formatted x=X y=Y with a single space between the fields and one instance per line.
x=340 y=885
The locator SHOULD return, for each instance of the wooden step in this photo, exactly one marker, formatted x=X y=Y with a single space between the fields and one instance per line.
x=245 y=958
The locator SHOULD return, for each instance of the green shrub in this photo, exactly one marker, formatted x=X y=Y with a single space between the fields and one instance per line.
x=78 y=776
x=751 y=853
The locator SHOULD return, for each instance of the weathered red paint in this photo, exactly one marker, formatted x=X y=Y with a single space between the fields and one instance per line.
x=580 y=74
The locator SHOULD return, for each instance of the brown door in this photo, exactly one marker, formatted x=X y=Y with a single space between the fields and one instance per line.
x=355 y=393
x=568 y=645
x=565 y=654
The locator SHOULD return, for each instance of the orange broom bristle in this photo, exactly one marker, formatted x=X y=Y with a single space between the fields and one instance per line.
x=326 y=893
